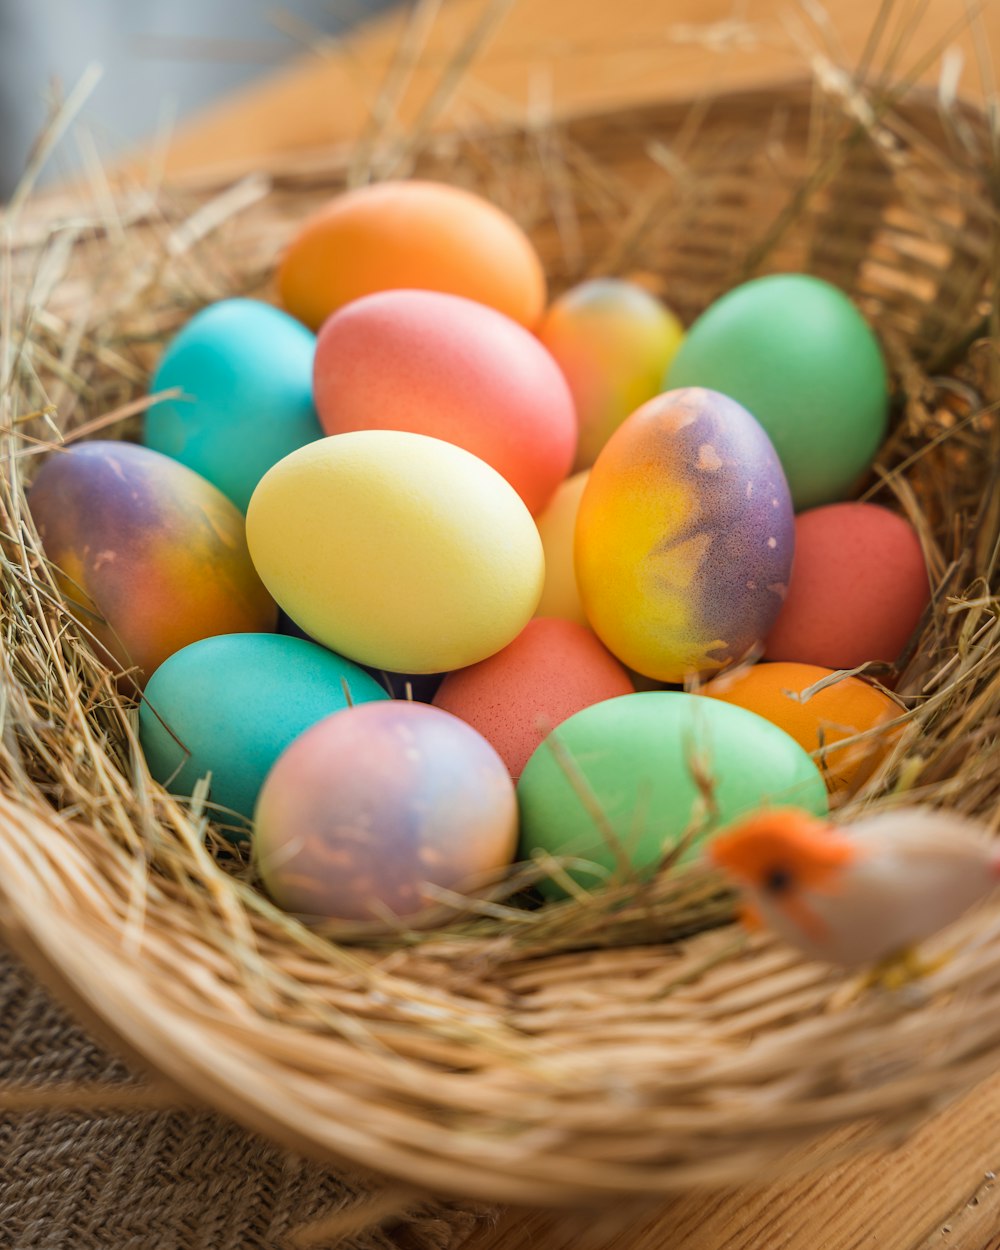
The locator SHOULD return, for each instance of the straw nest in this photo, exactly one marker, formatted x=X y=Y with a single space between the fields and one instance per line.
x=624 y=1043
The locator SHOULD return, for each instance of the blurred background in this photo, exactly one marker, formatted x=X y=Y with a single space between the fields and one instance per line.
x=161 y=61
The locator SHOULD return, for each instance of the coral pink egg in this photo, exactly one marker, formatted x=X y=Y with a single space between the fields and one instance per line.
x=858 y=588
x=371 y=806
x=440 y=365
x=551 y=670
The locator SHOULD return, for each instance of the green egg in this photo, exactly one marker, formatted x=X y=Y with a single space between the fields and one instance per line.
x=230 y=705
x=619 y=774
x=797 y=353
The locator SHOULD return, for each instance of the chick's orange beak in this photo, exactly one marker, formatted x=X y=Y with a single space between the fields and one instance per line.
x=754 y=846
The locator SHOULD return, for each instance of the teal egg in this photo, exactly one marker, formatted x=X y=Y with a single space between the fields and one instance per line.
x=245 y=373
x=230 y=705
x=619 y=775
x=796 y=353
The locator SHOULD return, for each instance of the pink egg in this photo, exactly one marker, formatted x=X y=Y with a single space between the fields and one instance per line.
x=552 y=669
x=370 y=806
x=436 y=364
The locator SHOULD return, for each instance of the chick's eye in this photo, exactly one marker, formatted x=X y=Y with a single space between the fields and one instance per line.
x=778 y=880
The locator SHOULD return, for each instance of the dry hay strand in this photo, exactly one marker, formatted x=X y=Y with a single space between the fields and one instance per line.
x=621 y=1042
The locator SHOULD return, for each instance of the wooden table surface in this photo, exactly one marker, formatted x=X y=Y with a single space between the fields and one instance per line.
x=539 y=57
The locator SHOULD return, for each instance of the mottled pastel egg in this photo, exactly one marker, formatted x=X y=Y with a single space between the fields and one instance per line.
x=244 y=370
x=552 y=669
x=619 y=784
x=858 y=590
x=797 y=353
x=818 y=719
x=150 y=556
x=684 y=537
x=455 y=370
x=228 y=706
x=370 y=809
x=614 y=342
x=415 y=235
x=557 y=528
x=397 y=550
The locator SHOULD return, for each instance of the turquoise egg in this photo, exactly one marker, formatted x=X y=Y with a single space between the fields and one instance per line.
x=245 y=373
x=230 y=705
x=616 y=783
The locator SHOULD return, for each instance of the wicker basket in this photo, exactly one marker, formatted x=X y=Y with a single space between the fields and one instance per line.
x=627 y=1045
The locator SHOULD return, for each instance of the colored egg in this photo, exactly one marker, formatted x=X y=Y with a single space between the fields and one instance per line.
x=244 y=370
x=397 y=550
x=782 y=694
x=229 y=706
x=150 y=556
x=417 y=235
x=684 y=537
x=557 y=528
x=615 y=785
x=797 y=353
x=858 y=589
x=552 y=669
x=370 y=809
x=614 y=342
x=443 y=366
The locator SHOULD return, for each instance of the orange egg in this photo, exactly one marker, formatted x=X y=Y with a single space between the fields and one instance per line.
x=557 y=527
x=838 y=712
x=419 y=235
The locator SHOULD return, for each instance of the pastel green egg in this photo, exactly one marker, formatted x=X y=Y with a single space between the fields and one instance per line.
x=230 y=705
x=616 y=781
x=799 y=355
x=244 y=373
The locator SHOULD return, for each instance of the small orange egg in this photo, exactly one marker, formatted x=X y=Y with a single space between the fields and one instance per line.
x=557 y=527
x=817 y=723
x=418 y=235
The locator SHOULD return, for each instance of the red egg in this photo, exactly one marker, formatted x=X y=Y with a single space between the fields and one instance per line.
x=858 y=588
x=551 y=670
x=441 y=365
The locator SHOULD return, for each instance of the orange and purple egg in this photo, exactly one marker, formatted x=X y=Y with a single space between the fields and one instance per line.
x=150 y=556
x=685 y=536
x=372 y=806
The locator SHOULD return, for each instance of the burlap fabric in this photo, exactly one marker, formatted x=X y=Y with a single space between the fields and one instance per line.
x=179 y=1180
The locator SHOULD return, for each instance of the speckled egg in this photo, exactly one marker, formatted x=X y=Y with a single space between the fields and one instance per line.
x=397 y=550
x=818 y=719
x=685 y=537
x=557 y=528
x=150 y=556
x=244 y=372
x=552 y=669
x=228 y=706
x=613 y=341
x=444 y=366
x=373 y=805
x=619 y=784
x=416 y=235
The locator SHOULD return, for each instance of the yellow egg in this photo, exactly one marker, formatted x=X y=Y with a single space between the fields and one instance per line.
x=556 y=525
x=397 y=550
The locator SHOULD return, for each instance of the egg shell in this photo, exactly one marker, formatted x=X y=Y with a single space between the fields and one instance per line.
x=818 y=721
x=230 y=705
x=418 y=235
x=631 y=759
x=370 y=804
x=684 y=537
x=552 y=669
x=244 y=370
x=151 y=557
x=557 y=529
x=397 y=550
x=858 y=589
x=797 y=353
x=614 y=342
x=443 y=366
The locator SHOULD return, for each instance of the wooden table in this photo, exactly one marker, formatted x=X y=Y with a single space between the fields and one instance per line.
x=571 y=56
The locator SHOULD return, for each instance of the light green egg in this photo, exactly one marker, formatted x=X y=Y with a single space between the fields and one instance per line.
x=617 y=780
x=230 y=705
